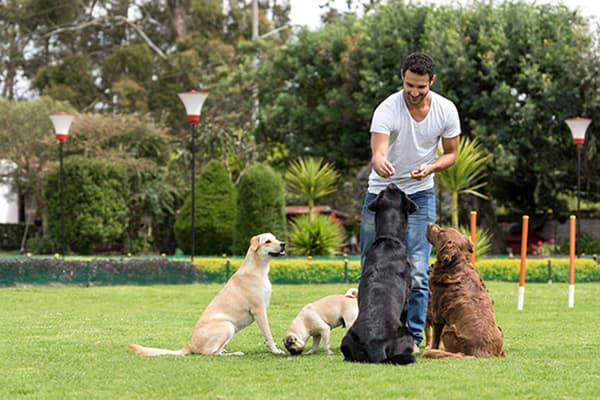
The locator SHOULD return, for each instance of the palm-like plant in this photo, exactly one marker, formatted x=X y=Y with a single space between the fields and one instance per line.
x=465 y=175
x=316 y=236
x=309 y=179
x=483 y=240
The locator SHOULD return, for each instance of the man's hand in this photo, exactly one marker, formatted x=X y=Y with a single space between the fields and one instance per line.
x=383 y=168
x=421 y=172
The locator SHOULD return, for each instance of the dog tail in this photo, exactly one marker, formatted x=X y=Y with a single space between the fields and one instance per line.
x=434 y=353
x=149 y=351
x=352 y=293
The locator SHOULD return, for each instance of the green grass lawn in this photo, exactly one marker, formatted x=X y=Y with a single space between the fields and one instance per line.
x=71 y=343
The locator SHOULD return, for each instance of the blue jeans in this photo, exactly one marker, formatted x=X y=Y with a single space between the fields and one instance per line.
x=419 y=251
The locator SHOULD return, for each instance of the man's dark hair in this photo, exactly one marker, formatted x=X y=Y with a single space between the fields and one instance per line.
x=419 y=63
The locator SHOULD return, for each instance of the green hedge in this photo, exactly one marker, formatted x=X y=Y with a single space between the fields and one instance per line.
x=288 y=270
x=536 y=269
x=96 y=272
x=297 y=271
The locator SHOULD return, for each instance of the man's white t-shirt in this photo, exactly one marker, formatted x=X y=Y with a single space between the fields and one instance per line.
x=412 y=143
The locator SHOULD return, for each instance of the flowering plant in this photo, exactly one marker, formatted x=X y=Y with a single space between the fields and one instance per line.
x=544 y=248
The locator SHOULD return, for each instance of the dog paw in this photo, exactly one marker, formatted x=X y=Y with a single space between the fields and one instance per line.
x=277 y=351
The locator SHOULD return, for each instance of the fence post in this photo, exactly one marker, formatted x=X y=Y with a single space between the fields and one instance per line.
x=524 y=233
x=549 y=272
x=473 y=235
x=227 y=269
x=345 y=268
x=572 y=244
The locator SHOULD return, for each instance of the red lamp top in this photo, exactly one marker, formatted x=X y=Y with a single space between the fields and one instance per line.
x=578 y=127
x=193 y=101
x=62 y=122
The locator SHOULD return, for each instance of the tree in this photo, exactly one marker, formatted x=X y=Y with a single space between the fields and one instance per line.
x=260 y=206
x=466 y=175
x=145 y=150
x=27 y=138
x=308 y=96
x=95 y=204
x=216 y=213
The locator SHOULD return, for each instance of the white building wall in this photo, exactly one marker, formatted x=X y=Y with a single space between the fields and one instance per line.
x=9 y=202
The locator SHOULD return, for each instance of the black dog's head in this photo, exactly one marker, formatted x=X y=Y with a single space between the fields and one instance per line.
x=391 y=207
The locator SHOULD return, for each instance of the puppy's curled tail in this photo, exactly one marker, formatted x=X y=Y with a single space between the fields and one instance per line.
x=352 y=293
x=434 y=353
x=150 y=351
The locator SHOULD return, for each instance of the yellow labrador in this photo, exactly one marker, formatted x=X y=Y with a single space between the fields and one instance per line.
x=243 y=299
x=318 y=319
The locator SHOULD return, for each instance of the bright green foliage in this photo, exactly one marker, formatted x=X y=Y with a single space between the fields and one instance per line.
x=287 y=270
x=328 y=270
x=260 y=206
x=482 y=240
x=95 y=205
x=309 y=179
x=466 y=175
x=586 y=244
x=146 y=151
x=316 y=236
x=216 y=213
x=319 y=76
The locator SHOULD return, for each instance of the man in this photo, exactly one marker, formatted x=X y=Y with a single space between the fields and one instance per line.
x=406 y=130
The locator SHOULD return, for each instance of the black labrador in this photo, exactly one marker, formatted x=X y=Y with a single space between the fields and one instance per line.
x=380 y=334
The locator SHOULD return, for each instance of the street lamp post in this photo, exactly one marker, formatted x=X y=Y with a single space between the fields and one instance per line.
x=193 y=101
x=578 y=126
x=62 y=122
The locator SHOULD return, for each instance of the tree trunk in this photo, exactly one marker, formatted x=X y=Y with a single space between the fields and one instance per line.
x=177 y=16
x=455 y=210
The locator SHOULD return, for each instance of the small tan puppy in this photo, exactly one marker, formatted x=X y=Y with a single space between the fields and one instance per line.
x=318 y=319
x=243 y=299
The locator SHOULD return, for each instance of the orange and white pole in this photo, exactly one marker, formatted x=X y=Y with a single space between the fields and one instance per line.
x=523 y=263
x=473 y=235
x=572 y=249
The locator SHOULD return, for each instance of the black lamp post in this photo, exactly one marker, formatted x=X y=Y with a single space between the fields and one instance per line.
x=62 y=122
x=193 y=101
x=578 y=126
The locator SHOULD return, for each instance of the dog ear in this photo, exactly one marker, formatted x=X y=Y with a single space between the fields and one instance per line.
x=374 y=204
x=254 y=243
x=469 y=245
x=409 y=205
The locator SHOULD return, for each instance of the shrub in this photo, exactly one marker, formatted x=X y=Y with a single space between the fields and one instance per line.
x=95 y=203
x=316 y=236
x=588 y=244
x=288 y=270
x=260 y=206
x=42 y=245
x=11 y=235
x=216 y=212
x=314 y=270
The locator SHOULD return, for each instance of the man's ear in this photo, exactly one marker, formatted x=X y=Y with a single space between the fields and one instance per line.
x=432 y=80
